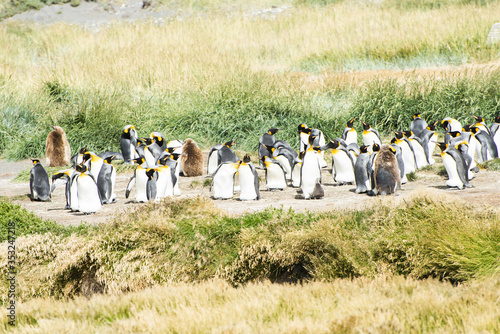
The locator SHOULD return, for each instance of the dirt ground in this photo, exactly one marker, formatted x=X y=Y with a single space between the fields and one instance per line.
x=485 y=191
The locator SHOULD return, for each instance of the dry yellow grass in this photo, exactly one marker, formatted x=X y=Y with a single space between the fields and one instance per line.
x=197 y=52
x=382 y=305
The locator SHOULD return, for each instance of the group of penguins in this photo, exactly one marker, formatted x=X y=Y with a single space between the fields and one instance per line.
x=374 y=168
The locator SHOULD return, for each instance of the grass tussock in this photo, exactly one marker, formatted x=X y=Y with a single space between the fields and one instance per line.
x=383 y=304
x=189 y=240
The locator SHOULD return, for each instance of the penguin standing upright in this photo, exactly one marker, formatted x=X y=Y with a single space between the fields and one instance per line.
x=419 y=149
x=362 y=171
x=93 y=162
x=310 y=173
x=172 y=161
x=128 y=144
x=488 y=149
x=342 y=164
x=450 y=124
x=406 y=151
x=223 y=180
x=57 y=148
x=151 y=190
x=275 y=174
x=106 y=181
x=151 y=151
x=213 y=159
x=481 y=124
x=191 y=159
x=66 y=176
x=319 y=140
x=226 y=154
x=400 y=161
x=495 y=132
x=267 y=140
x=350 y=135
x=455 y=166
x=296 y=169
x=139 y=179
x=285 y=157
x=429 y=136
x=370 y=136
x=418 y=125
x=463 y=148
x=89 y=200
x=386 y=171
x=165 y=181
x=249 y=180
x=39 y=182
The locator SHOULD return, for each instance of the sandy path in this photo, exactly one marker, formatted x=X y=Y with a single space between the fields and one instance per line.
x=486 y=191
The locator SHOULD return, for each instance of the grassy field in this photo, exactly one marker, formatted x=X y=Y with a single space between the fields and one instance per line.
x=406 y=268
x=216 y=77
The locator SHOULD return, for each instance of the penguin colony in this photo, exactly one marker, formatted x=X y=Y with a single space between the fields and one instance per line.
x=375 y=168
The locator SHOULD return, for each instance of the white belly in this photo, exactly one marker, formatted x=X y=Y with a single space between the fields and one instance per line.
x=141 y=180
x=247 y=184
x=408 y=158
x=88 y=195
x=352 y=137
x=344 y=172
x=431 y=146
x=223 y=182
x=296 y=175
x=213 y=162
x=310 y=174
x=284 y=161
x=451 y=169
x=419 y=154
x=275 y=178
x=164 y=186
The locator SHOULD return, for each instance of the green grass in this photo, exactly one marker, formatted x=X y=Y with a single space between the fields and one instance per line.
x=493 y=165
x=27 y=223
x=189 y=240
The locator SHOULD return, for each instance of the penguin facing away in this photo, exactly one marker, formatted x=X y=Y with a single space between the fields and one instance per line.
x=418 y=125
x=57 y=148
x=249 y=180
x=151 y=190
x=39 y=182
x=362 y=171
x=63 y=176
x=128 y=144
x=386 y=171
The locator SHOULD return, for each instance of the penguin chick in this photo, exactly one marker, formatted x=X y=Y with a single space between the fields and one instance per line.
x=387 y=177
x=192 y=159
x=57 y=148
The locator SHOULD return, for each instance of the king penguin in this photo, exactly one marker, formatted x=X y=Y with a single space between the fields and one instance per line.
x=310 y=173
x=362 y=171
x=370 y=136
x=488 y=150
x=166 y=177
x=87 y=193
x=267 y=140
x=342 y=164
x=495 y=132
x=406 y=151
x=106 y=181
x=139 y=179
x=249 y=180
x=223 y=180
x=419 y=149
x=213 y=159
x=418 y=125
x=450 y=124
x=65 y=177
x=455 y=167
x=151 y=190
x=275 y=174
x=350 y=135
x=128 y=144
x=39 y=182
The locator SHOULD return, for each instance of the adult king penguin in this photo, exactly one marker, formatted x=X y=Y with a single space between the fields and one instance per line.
x=495 y=132
x=139 y=179
x=87 y=193
x=249 y=180
x=370 y=136
x=267 y=140
x=106 y=181
x=275 y=174
x=350 y=135
x=213 y=159
x=223 y=180
x=310 y=173
x=128 y=144
x=39 y=182
x=362 y=170
x=342 y=164
x=418 y=125
x=455 y=167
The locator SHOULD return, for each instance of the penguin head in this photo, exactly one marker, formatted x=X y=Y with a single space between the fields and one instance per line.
x=474 y=129
x=375 y=147
x=109 y=159
x=408 y=133
x=147 y=141
x=442 y=146
x=415 y=116
x=454 y=134
x=230 y=143
x=170 y=150
x=127 y=128
x=150 y=172
x=272 y=131
x=363 y=149
x=311 y=139
x=158 y=138
x=81 y=168
x=444 y=123
x=334 y=144
x=139 y=160
x=163 y=161
x=392 y=149
x=478 y=119
x=86 y=156
x=350 y=123
x=83 y=150
x=394 y=140
x=301 y=155
x=246 y=159
x=35 y=161
x=175 y=156
x=303 y=128
x=366 y=126
x=399 y=135
x=432 y=126
x=462 y=147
